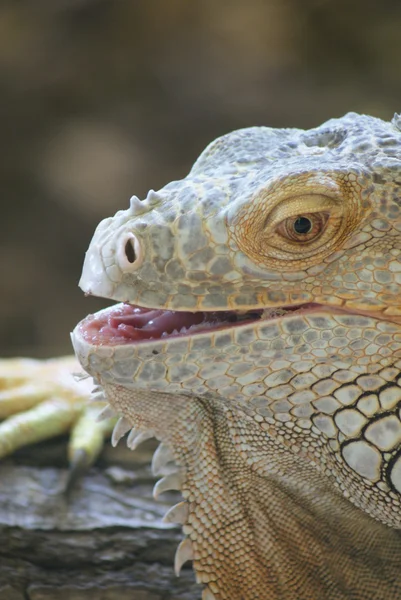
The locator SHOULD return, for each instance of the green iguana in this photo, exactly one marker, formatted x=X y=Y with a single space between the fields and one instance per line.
x=258 y=337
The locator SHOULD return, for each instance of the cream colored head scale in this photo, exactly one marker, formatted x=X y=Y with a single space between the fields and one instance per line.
x=283 y=411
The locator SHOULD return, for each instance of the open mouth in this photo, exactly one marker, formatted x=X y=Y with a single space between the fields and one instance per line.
x=127 y=323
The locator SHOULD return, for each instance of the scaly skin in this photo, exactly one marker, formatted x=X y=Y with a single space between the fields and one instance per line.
x=286 y=428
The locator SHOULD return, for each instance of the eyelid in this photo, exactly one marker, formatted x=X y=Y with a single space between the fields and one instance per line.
x=299 y=205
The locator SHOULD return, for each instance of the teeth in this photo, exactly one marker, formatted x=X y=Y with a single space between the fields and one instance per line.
x=173 y=481
x=177 y=514
x=274 y=311
x=137 y=437
x=120 y=429
x=183 y=554
x=161 y=458
x=106 y=413
x=208 y=595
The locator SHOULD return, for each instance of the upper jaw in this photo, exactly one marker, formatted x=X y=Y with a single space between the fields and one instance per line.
x=151 y=259
x=153 y=282
x=135 y=258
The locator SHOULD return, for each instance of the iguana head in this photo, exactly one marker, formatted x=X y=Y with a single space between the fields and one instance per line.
x=274 y=232
x=265 y=218
x=267 y=281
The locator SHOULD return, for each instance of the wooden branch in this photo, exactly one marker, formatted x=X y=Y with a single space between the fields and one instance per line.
x=106 y=541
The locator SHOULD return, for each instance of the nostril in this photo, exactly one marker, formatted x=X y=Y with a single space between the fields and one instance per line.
x=130 y=251
x=129 y=254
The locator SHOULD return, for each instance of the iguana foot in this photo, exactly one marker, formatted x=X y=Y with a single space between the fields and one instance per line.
x=40 y=399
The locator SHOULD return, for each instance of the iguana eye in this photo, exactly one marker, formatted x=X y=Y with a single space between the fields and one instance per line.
x=298 y=221
x=303 y=228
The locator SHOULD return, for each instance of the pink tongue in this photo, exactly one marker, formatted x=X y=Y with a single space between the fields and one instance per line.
x=153 y=323
x=131 y=323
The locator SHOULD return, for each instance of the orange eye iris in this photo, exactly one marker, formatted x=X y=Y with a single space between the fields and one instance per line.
x=303 y=228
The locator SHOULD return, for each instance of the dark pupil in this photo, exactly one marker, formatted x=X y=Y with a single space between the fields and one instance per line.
x=302 y=225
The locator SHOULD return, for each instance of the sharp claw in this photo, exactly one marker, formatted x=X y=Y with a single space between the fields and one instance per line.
x=98 y=397
x=78 y=466
x=120 y=429
x=183 y=554
x=173 y=481
x=177 y=514
x=137 y=437
x=161 y=458
x=106 y=413
x=208 y=595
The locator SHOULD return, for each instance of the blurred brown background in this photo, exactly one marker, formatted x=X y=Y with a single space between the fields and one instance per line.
x=101 y=99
